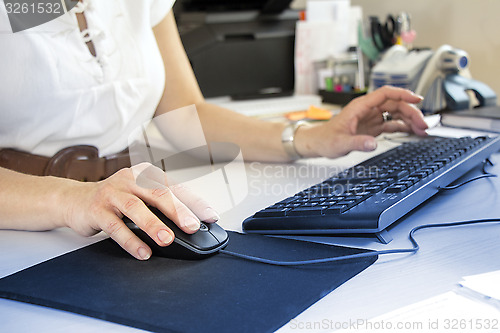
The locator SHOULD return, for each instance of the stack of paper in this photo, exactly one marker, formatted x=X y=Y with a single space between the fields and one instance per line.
x=482 y=287
x=473 y=307
x=329 y=30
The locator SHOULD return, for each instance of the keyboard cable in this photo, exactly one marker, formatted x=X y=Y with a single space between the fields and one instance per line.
x=485 y=174
x=411 y=237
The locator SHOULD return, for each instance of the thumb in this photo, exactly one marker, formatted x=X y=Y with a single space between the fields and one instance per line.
x=362 y=143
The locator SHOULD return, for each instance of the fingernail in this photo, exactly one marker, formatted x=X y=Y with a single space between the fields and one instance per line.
x=144 y=254
x=165 y=237
x=213 y=215
x=191 y=223
x=370 y=145
x=419 y=96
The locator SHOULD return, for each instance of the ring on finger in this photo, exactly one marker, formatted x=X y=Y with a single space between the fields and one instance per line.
x=386 y=116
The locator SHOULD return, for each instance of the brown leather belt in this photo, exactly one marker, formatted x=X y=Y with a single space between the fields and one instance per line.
x=77 y=162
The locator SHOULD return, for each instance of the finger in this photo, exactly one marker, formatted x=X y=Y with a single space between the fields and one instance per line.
x=413 y=117
x=197 y=204
x=165 y=200
x=396 y=126
x=151 y=186
x=135 y=209
x=360 y=142
x=118 y=231
x=417 y=122
x=409 y=113
x=383 y=94
x=148 y=176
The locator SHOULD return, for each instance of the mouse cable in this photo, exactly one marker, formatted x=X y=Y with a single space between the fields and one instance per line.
x=411 y=237
x=485 y=174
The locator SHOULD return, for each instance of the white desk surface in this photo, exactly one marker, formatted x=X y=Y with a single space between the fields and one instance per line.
x=446 y=255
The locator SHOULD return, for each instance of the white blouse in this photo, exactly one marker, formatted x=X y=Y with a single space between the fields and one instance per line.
x=54 y=93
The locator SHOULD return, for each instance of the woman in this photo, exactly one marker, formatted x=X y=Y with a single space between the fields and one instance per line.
x=91 y=76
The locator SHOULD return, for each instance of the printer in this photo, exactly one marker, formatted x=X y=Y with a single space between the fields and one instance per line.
x=241 y=49
x=441 y=76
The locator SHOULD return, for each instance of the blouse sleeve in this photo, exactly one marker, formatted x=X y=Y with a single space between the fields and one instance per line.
x=159 y=9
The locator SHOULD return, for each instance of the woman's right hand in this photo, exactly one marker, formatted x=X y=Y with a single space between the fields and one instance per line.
x=100 y=206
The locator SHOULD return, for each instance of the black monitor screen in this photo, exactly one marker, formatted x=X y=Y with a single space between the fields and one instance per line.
x=232 y=5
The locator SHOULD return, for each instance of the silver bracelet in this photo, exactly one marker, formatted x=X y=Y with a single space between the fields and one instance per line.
x=288 y=139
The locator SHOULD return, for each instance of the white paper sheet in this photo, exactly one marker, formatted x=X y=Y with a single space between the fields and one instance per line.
x=487 y=284
x=448 y=312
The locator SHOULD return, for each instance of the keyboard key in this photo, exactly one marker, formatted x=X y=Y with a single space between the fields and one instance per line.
x=396 y=188
x=373 y=189
x=335 y=209
x=309 y=204
x=346 y=202
x=306 y=211
x=400 y=174
x=412 y=179
x=272 y=212
x=354 y=197
x=318 y=199
x=292 y=205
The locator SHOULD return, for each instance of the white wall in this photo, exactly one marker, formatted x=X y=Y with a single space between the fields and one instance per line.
x=472 y=25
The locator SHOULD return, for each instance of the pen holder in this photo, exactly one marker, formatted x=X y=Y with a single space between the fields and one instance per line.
x=339 y=98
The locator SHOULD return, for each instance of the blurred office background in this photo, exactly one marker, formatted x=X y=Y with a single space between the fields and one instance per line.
x=235 y=53
x=471 y=25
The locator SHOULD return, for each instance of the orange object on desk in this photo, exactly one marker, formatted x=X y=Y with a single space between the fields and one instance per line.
x=312 y=113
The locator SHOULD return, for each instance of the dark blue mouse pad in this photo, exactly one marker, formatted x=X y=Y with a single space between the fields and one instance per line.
x=218 y=294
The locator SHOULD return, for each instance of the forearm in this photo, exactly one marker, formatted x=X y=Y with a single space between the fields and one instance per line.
x=258 y=140
x=31 y=202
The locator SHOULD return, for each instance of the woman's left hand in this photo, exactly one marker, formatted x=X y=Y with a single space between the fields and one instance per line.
x=356 y=126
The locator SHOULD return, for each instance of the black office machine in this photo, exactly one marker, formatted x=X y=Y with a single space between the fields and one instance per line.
x=239 y=48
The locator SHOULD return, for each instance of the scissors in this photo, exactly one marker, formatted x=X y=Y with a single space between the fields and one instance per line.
x=383 y=35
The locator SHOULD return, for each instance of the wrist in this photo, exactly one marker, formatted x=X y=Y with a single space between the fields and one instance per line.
x=303 y=141
x=65 y=201
x=288 y=140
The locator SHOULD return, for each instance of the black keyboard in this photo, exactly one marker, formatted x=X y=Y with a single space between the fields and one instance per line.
x=372 y=195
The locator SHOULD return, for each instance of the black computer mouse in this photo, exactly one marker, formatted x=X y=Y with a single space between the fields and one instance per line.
x=207 y=241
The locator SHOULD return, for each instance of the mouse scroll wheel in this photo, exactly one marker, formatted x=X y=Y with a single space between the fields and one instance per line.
x=203 y=227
